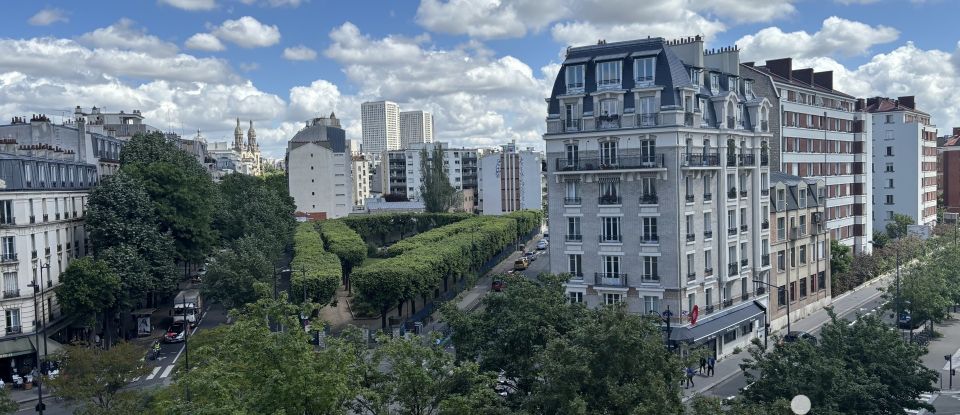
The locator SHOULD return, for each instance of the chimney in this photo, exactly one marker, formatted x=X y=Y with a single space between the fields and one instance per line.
x=873 y=101
x=803 y=75
x=781 y=67
x=824 y=79
x=861 y=105
x=908 y=101
x=81 y=139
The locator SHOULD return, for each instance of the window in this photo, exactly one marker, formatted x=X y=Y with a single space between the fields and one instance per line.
x=803 y=254
x=648 y=150
x=608 y=75
x=743 y=251
x=691 y=300
x=611 y=229
x=647 y=111
x=575 y=265
x=643 y=70
x=689 y=223
x=802 y=199
x=575 y=78
x=731 y=83
x=731 y=219
x=695 y=76
x=781 y=261
x=732 y=254
x=10 y=282
x=781 y=229
x=650 y=269
x=651 y=304
x=707 y=187
x=708 y=261
x=889 y=168
x=572 y=117
x=889 y=120
x=793 y=291
x=821 y=281
x=707 y=225
x=649 y=230
x=714 y=83
x=6 y=212
x=575 y=297
x=7 y=247
x=803 y=225
x=890 y=183
x=648 y=186
x=13 y=320
x=803 y=288
x=573 y=228
x=608 y=152
x=691 y=266
x=612 y=298
x=573 y=154
x=709 y=297
x=609 y=107
x=781 y=200
x=889 y=149
x=743 y=216
x=573 y=189
x=889 y=199
x=781 y=296
x=611 y=266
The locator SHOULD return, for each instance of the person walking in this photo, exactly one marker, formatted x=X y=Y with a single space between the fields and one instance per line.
x=689 y=378
x=711 y=362
x=703 y=364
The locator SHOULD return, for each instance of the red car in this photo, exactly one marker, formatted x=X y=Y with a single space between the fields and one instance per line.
x=498 y=285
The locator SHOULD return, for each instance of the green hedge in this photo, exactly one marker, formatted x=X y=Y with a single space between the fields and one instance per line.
x=527 y=220
x=435 y=235
x=418 y=270
x=313 y=268
x=377 y=228
x=344 y=242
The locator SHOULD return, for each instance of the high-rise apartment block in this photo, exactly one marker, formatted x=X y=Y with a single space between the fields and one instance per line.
x=416 y=127
x=510 y=180
x=820 y=133
x=904 y=162
x=380 y=121
x=657 y=156
x=402 y=171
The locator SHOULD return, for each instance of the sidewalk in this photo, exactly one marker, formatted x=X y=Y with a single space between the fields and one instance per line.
x=845 y=303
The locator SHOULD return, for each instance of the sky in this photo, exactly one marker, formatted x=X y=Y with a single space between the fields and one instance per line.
x=482 y=67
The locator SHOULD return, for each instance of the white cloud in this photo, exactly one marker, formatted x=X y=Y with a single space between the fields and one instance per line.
x=48 y=16
x=125 y=36
x=488 y=18
x=837 y=36
x=319 y=98
x=191 y=5
x=249 y=66
x=747 y=10
x=299 y=53
x=204 y=41
x=248 y=32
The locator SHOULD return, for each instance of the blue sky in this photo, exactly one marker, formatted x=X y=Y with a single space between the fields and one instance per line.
x=482 y=66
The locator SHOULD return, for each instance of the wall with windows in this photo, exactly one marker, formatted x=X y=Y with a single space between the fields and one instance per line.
x=904 y=174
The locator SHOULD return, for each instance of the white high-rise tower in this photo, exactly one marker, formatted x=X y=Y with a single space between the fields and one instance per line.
x=381 y=126
x=416 y=127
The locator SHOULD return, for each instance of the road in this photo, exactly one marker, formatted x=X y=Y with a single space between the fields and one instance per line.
x=161 y=369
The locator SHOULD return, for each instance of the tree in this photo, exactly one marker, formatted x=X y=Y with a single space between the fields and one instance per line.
x=710 y=405
x=865 y=368
x=252 y=206
x=247 y=368
x=95 y=379
x=404 y=376
x=180 y=189
x=839 y=265
x=235 y=271
x=7 y=404
x=88 y=288
x=897 y=227
x=437 y=193
x=880 y=239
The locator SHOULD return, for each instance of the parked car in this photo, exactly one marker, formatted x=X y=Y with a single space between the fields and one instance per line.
x=521 y=264
x=498 y=285
x=542 y=244
x=176 y=332
x=795 y=336
x=530 y=256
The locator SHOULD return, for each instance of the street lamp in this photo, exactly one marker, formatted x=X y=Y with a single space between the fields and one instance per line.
x=766 y=332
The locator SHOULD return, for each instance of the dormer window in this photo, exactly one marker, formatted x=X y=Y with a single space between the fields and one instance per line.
x=695 y=76
x=714 y=83
x=781 y=200
x=574 y=79
x=644 y=70
x=732 y=83
x=608 y=75
x=802 y=198
x=748 y=89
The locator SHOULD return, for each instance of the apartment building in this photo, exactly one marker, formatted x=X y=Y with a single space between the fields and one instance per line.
x=657 y=169
x=416 y=127
x=360 y=173
x=47 y=171
x=380 y=121
x=402 y=176
x=949 y=166
x=510 y=180
x=904 y=162
x=821 y=133
x=319 y=164
x=799 y=248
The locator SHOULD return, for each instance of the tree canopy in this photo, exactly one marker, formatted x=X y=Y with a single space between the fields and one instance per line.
x=897 y=227
x=96 y=379
x=437 y=193
x=88 y=287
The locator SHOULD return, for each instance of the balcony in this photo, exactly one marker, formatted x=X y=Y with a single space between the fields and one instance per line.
x=46 y=217
x=744 y=262
x=709 y=309
x=655 y=161
x=747 y=160
x=765 y=192
x=610 y=239
x=571 y=126
x=649 y=239
x=56 y=216
x=689 y=198
x=8 y=258
x=691 y=237
x=688 y=119
x=732 y=231
x=691 y=275
x=646 y=120
x=11 y=293
x=606 y=122
x=650 y=279
x=728 y=303
x=571 y=201
x=743 y=228
x=732 y=193
x=610 y=279
x=14 y=330
x=574 y=238
x=609 y=200
x=707 y=197
x=764 y=159
x=707 y=234
x=732 y=269
x=731 y=122
x=707 y=272
x=765 y=224
x=743 y=193
x=701 y=160
x=648 y=199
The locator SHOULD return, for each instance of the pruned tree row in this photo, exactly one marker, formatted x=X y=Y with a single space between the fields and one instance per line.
x=315 y=273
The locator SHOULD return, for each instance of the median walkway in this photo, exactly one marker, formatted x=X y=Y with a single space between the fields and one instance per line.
x=850 y=301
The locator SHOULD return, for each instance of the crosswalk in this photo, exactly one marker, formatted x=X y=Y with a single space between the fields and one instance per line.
x=924 y=397
x=155 y=374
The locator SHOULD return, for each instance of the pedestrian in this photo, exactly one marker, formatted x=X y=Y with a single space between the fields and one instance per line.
x=703 y=364
x=689 y=378
x=711 y=362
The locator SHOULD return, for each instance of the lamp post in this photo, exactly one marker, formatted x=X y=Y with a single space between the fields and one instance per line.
x=766 y=331
x=36 y=322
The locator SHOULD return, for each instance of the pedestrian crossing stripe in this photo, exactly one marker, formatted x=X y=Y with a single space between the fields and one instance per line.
x=154 y=373
x=166 y=372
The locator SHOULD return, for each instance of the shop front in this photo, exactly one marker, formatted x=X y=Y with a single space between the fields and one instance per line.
x=723 y=332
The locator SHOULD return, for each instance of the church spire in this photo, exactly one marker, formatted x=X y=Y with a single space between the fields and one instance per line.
x=252 y=138
x=238 y=137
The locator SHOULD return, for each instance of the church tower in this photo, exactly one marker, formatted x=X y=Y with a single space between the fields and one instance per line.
x=252 y=139
x=238 y=137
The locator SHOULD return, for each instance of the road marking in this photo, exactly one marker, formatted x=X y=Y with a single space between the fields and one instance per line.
x=166 y=372
x=178 y=354
x=154 y=373
x=955 y=359
x=135 y=379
